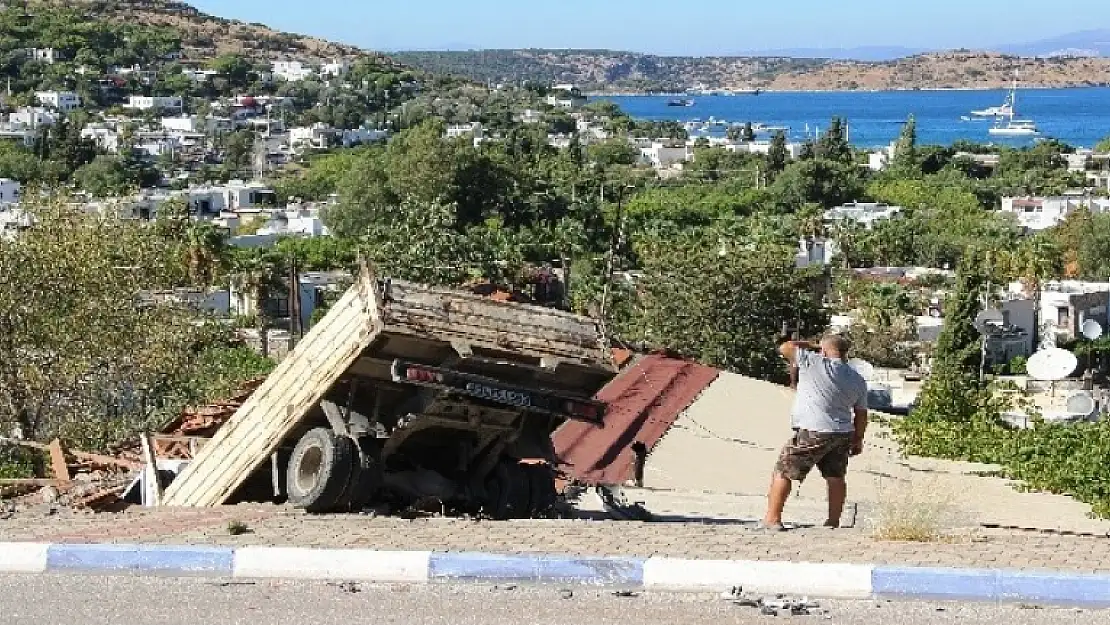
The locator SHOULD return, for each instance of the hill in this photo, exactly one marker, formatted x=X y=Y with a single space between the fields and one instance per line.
x=203 y=36
x=610 y=71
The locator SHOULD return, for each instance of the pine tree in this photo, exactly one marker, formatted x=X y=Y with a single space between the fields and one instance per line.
x=834 y=145
x=777 y=156
x=905 y=149
x=748 y=134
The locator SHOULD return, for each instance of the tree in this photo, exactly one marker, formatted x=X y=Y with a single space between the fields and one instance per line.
x=833 y=144
x=905 y=151
x=237 y=69
x=1103 y=147
x=105 y=176
x=821 y=181
x=777 y=156
x=713 y=296
x=1035 y=260
x=615 y=151
x=82 y=355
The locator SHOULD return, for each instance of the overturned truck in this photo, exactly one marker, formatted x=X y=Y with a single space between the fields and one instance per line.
x=408 y=392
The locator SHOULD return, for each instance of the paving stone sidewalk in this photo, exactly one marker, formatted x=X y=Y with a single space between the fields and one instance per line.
x=283 y=526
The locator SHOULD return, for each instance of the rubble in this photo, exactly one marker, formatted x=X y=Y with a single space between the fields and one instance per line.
x=96 y=482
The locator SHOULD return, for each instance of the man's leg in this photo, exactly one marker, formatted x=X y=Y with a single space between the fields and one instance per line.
x=838 y=492
x=776 y=499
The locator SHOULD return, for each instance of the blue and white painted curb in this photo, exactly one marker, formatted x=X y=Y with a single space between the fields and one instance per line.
x=849 y=581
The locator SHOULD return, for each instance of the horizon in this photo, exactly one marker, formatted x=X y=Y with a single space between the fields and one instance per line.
x=733 y=30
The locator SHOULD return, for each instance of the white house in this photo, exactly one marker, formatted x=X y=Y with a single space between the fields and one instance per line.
x=156 y=103
x=462 y=130
x=336 y=68
x=664 y=154
x=64 y=101
x=864 y=213
x=819 y=252
x=793 y=150
x=9 y=191
x=566 y=97
x=200 y=76
x=316 y=137
x=292 y=71
x=32 y=117
x=45 y=55
x=106 y=136
x=531 y=116
x=1040 y=213
x=358 y=136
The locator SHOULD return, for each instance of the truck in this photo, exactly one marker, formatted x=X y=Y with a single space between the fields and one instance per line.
x=407 y=393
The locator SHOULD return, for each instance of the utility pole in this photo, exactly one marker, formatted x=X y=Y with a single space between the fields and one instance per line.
x=611 y=260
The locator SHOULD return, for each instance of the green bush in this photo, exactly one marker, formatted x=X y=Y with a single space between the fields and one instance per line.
x=1018 y=364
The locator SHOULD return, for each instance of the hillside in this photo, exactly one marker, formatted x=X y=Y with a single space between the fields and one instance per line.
x=600 y=70
x=205 y=36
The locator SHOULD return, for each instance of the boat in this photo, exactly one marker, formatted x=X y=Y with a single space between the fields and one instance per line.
x=994 y=111
x=1013 y=127
x=1007 y=108
x=681 y=102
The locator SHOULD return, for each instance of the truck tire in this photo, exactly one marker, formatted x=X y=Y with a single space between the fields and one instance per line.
x=319 y=470
x=366 y=478
x=508 y=492
x=542 y=490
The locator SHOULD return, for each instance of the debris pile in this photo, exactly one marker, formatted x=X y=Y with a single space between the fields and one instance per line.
x=88 y=481
x=777 y=605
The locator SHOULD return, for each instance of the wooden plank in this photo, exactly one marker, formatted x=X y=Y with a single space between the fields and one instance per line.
x=247 y=430
x=79 y=455
x=526 y=345
x=284 y=399
x=58 y=461
x=152 y=481
x=230 y=451
x=29 y=482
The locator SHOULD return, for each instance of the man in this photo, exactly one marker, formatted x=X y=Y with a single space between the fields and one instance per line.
x=829 y=420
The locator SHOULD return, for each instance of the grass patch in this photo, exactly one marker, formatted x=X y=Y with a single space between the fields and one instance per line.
x=914 y=511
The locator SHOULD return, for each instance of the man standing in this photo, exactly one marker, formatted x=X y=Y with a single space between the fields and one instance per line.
x=829 y=421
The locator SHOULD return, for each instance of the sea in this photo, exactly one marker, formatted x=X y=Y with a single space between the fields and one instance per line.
x=1079 y=117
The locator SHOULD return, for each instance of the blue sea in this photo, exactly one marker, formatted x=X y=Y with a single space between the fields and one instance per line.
x=1079 y=117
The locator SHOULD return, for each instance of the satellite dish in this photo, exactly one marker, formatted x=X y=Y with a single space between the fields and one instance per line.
x=863 y=368
x=1092 y=330
x=1052 y=364
x=1081 y=403
x=988 y=318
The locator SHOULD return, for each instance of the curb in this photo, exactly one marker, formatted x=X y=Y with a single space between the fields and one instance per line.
x=846 y=581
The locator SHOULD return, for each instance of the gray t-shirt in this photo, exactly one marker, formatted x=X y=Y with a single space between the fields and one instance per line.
x=828 y=391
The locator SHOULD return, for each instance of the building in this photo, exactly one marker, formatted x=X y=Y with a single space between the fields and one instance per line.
x=32 y=117
x=666 y=154
x=1040 y=213
x=200 y=76
x=566 y=97
x=64 y=101
x=336 y=68
x=863 y=213
x=358 y=136
x=106 y=136
x=45 y=55
x=170 y=104
x=9 y=191
x=1065 y=306
x=815 y=252
x=531 y=116
x=315 y=137
x=793 y=150
x=292 y=71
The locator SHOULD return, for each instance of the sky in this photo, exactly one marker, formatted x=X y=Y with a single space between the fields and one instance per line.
x=680 y=27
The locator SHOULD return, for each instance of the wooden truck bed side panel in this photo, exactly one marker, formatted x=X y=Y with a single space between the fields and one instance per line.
x=246 y=441
x=501 y=326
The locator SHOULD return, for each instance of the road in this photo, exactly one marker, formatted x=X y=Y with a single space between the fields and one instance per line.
x=76 y=600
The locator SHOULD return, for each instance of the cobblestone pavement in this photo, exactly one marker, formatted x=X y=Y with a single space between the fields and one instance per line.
x=282 y=526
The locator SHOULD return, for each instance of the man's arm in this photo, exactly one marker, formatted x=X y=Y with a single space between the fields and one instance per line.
x=860 y=423
x=789 y=350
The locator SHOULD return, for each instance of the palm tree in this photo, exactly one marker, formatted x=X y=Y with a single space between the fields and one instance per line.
x=256 y=275
x=206 y=252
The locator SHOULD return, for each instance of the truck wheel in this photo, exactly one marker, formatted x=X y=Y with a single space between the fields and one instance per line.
x=543 y=495
x=319 y=470
x=366 y=479
x=508 y=492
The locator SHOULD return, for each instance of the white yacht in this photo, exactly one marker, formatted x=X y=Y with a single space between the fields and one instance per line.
x=1007 y=108
x=1013 y=127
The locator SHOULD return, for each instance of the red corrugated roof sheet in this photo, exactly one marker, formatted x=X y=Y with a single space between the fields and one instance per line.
x=643 y=403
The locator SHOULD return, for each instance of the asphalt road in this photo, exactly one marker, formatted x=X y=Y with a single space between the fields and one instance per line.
x=75 y=600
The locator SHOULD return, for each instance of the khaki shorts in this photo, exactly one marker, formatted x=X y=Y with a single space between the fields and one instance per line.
x=829 y=452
